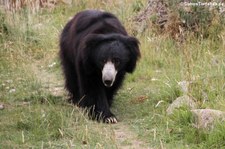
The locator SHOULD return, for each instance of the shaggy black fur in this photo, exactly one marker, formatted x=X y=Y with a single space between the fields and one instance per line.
x=87 y=41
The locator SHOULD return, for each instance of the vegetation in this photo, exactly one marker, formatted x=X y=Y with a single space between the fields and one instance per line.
x=37 y=115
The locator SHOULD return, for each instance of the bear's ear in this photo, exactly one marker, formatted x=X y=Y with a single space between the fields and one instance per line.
x=132 y=44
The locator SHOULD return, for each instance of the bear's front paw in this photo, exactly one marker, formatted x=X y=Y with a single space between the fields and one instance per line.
x=111 y=120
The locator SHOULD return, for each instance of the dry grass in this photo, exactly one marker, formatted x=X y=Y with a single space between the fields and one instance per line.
x=38 y=116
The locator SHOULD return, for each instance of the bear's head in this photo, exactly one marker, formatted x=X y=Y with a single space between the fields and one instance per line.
x=110 y=54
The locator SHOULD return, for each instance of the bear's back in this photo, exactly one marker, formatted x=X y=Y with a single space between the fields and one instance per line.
x=98 y=22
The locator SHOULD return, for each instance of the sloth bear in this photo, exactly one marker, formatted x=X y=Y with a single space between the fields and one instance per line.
x=95 y=53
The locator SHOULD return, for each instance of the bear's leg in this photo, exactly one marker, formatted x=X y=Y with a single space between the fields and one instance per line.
x=71 y=82
x=97 y=101
x=110 y=98
x=102 y=107
x=110 y=92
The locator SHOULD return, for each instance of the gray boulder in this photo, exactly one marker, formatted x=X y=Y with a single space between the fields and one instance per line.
x=205 y=118
x=183 y=101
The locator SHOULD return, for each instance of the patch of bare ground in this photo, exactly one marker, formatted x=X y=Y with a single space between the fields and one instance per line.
x=127 y=139
x=49 y=80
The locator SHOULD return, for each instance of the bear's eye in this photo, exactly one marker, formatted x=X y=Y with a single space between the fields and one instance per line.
x=116 y=61
x=103 y=61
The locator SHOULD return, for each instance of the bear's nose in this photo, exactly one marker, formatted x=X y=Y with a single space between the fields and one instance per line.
x=108 y=83
x=109 y=74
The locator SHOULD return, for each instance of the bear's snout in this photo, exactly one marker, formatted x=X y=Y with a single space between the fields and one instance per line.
x=108 y=74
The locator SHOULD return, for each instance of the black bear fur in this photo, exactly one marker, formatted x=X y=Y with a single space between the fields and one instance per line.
x=85 y=39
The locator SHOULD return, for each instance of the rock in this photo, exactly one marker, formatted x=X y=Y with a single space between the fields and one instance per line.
x=184 y=86
x=205 y=118
x=183 y=101
x=1 y=106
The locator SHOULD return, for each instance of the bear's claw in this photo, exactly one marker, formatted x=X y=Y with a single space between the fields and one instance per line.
x=111 y=120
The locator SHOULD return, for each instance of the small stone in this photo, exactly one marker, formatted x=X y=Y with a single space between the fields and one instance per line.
x=12 y=90
x=1 y=106
x=205 y=118
x=183 y=101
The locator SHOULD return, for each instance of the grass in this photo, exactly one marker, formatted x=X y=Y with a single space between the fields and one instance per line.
x=34 y=117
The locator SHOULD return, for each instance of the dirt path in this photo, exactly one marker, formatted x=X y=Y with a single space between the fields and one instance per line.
x=124 y=137
x=49 y=80
x=127 y=139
